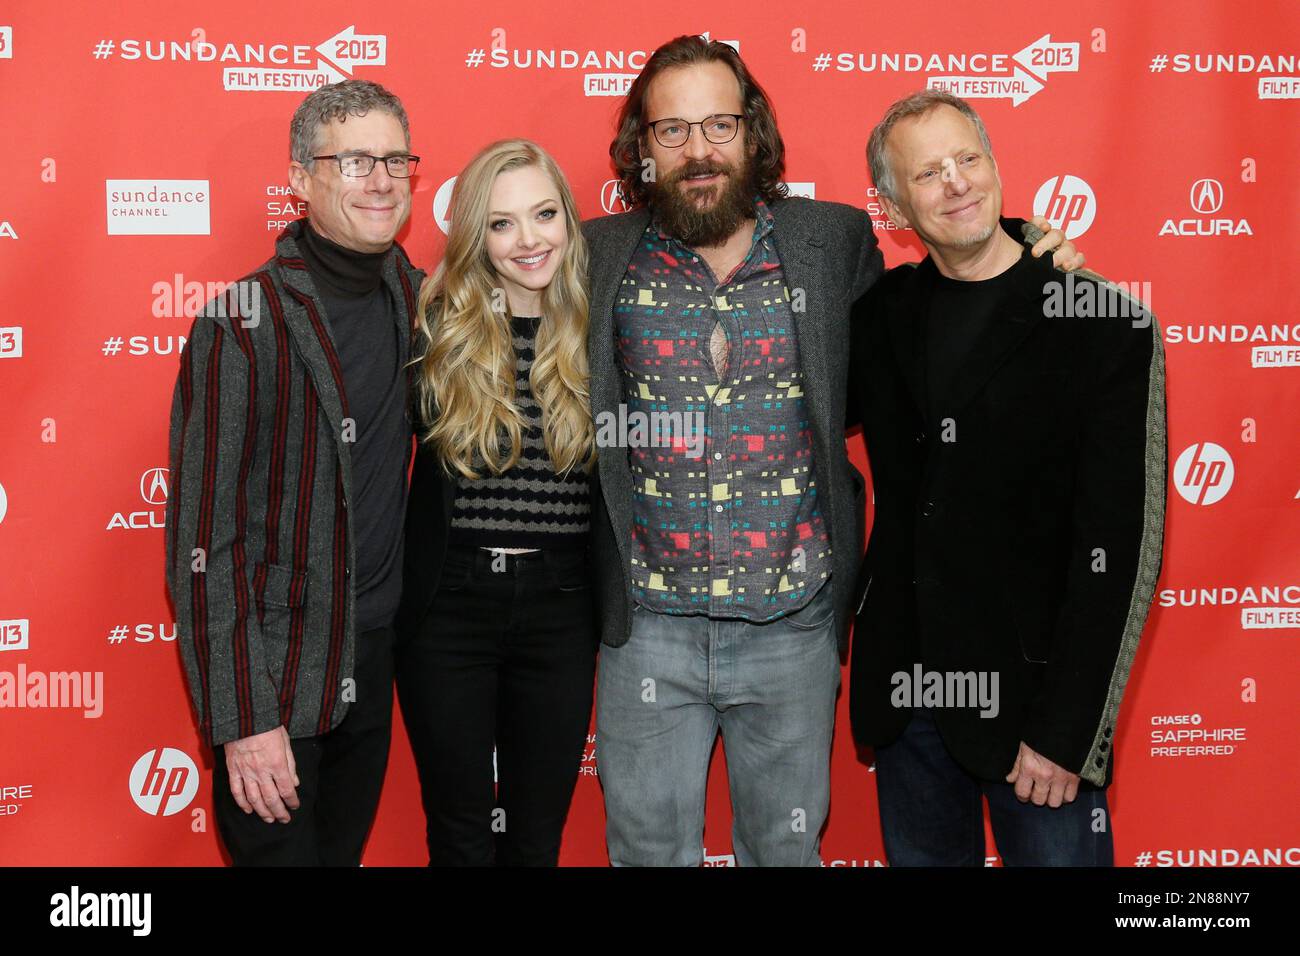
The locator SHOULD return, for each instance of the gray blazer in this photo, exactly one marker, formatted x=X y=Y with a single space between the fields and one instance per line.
x=260 y=546
x=829 y=251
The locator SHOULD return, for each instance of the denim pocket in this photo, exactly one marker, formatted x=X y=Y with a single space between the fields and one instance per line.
x=814 y=615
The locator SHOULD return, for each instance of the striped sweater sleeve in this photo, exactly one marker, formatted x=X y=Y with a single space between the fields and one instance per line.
x=213 y=444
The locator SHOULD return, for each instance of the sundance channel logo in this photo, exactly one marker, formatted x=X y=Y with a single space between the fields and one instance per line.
x=158 y=207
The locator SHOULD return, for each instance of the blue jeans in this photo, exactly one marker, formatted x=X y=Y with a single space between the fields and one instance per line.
x=661 y=699
x=931 y=812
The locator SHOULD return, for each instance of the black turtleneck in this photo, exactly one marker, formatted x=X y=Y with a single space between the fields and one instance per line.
x=362 y=319
x=346 y=272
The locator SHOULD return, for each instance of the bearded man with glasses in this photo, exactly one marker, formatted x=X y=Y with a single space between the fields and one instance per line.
x=727 y=580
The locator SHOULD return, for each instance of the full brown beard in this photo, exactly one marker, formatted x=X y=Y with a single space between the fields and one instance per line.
x=703 y=225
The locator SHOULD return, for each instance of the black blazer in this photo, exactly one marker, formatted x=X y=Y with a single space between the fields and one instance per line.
x=983 y=555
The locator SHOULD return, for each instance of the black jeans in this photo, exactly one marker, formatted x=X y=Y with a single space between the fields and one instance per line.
x=506 y=655
x=340 y=775
x=932 y=814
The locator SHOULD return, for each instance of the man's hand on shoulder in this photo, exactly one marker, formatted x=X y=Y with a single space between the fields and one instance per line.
x=1064 y=255
x=263 y=775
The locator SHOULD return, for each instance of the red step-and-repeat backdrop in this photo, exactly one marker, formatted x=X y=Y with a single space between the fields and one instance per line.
x=1163 y=137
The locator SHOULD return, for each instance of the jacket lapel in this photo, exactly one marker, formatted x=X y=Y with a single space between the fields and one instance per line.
x=910 y=337
x=907 y=333
x=309 y=328
x=1012 y=324
x=402 y=287
x=801 y=249
x=313 y=337
x=609 y=257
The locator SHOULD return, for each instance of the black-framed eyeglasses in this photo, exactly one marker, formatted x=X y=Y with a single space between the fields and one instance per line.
x=361 y=165
x=717 y=129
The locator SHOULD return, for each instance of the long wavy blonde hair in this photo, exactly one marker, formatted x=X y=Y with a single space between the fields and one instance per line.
x=466 y=372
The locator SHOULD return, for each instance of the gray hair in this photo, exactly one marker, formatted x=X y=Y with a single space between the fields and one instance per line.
x=338 y=101
x=915 y=105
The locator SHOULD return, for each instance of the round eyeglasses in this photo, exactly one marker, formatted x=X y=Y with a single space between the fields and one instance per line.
x=717 y=129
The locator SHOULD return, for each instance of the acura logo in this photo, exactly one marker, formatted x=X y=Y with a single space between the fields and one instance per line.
x=611 y=197
x=153 y=486
x=1207 y=196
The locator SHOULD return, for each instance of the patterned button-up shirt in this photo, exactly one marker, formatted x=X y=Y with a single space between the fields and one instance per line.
x=725 y=509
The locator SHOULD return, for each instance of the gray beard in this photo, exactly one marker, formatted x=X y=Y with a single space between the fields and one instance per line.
x=978 y=239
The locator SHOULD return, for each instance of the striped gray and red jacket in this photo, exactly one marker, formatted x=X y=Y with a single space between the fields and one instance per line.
x=259 y=539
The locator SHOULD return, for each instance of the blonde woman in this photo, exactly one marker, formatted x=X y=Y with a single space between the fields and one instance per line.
x=497 y=633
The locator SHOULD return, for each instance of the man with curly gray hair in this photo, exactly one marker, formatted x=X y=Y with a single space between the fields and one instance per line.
x=289 y=453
